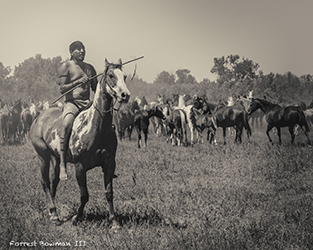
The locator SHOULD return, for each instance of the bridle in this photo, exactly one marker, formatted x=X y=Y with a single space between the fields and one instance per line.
x=114 y=96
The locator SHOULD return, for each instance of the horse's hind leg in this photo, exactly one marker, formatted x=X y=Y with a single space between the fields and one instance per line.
x=55 y=178
x=45 y=158
x=292 y=133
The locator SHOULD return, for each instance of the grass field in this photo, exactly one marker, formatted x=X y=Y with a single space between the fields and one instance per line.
x=248 y=196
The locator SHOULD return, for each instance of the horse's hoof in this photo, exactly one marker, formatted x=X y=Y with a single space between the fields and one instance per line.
x=76 y=219
x=115 y=227
x=63 y=177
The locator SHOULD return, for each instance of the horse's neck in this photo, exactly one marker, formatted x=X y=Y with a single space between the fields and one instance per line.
x=181 y=102
x=266 y=106
x=206 y=108
x=151 y=112
x=102 y=103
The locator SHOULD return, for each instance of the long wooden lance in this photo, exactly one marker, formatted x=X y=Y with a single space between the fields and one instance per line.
x=70 y=90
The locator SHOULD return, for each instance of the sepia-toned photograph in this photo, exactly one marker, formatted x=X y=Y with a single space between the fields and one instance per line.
x=156 y=124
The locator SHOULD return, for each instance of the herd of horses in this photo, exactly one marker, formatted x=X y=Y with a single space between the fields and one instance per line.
x=200 y=114
x=96 y=129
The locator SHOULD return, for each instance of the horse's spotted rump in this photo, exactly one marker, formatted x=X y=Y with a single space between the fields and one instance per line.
x=55 y=141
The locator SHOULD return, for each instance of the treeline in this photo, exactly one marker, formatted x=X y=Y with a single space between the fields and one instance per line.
x=36 y=78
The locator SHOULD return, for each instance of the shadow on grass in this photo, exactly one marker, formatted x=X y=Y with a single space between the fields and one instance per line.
x=151 y=218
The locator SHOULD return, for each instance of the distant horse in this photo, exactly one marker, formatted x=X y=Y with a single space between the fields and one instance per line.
x=205 y=121
x=232 y=116
x=92 y=142
x=175 y=121
x=34 y=110
x=26 y=121
x=278 y=116
x=5 y=117
x=158 y=124
x=256 y=117
x=142 y=121
x=190 y=115
x=14 y=121
x=124 y=119
x=309 y=116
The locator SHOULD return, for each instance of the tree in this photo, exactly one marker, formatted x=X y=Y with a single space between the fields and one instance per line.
x=4 y=73
x=36 y=78
x=165 y=78
x=232 y=68
x=184 y=77
x=220 y=69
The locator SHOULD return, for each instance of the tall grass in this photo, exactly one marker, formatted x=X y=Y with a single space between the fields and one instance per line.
x=248 y=196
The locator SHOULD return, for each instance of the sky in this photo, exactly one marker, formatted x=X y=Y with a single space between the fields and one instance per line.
x=170 y=34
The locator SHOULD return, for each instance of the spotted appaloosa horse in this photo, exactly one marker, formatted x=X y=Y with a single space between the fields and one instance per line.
x=278 y=116
x=93 y=141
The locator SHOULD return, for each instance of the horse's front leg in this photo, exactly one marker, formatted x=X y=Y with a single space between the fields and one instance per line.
x=146 y=136
x=84 y=196
x=108 y=172
x=191 y=133
x=224 y=135
x=292 y=133
x=279 y=134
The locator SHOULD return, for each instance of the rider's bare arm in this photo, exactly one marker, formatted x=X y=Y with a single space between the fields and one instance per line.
x=94 y=81
x=64 y=79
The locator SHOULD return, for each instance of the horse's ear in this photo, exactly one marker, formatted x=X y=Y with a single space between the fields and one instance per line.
x=120 y=62
x=106 y=62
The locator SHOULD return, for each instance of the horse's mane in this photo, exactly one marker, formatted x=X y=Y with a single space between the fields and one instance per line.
x=265 y=102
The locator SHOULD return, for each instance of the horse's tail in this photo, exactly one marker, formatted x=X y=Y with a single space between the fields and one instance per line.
x=246 y=123
x=302 y=120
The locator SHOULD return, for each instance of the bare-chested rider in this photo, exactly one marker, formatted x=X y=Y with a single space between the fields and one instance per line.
x=72 y=73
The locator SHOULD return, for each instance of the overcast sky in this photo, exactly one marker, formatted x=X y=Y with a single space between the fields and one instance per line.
x=170 y=34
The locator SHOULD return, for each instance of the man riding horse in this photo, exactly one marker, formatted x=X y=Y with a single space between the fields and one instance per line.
x=72 y=73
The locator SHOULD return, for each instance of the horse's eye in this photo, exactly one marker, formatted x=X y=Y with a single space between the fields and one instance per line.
x=111 y=76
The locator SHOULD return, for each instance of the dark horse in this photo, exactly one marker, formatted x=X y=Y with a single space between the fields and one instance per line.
x=232 y=116
x=277 y=116
x=142 y=121
x=225 y=116
x=93 y=141
x=124 y=119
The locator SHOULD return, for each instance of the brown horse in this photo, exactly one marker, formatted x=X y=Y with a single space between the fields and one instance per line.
x=232 y=116
x=278 y=116
x=26 y=121
x=142 y=121
x=93 y=141
x=124 y=119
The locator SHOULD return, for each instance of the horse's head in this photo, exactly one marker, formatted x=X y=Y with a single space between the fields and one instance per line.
x=166 y=110
x=198 y=102
x=115 y=81
x=158 y=112
x=254 y=105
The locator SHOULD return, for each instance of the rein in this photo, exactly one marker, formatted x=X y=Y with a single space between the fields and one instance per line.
x=111 y=109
